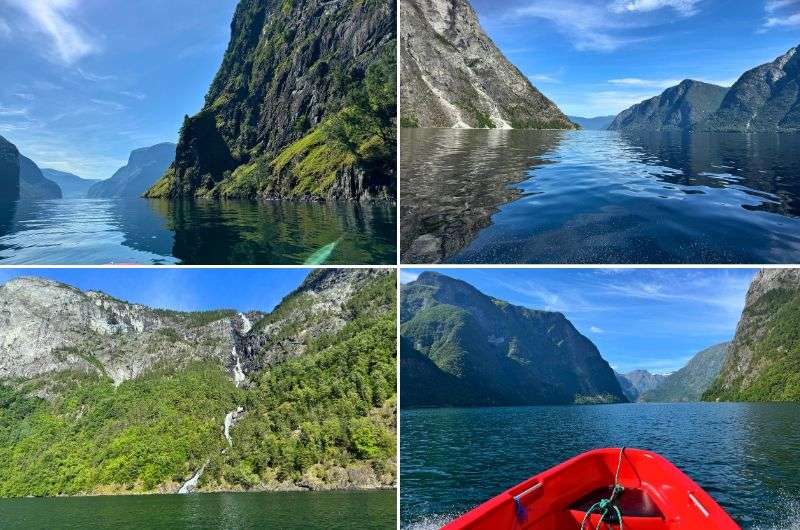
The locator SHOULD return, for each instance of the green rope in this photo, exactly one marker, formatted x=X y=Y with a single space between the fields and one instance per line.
x=605 y=506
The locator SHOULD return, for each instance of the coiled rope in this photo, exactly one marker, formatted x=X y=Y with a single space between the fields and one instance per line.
x=607 y=506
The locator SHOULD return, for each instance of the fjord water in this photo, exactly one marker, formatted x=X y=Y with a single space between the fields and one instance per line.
x=499 y=196
x=141 y=231
x=327 y=510
x=746 y=456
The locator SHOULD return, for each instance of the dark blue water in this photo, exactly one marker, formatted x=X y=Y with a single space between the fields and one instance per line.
x=140 y=231
x=747 y=456
x=599 y=197
x=292 y=510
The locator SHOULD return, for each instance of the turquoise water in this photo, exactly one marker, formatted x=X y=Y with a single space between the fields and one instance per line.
x=746 y=456
x=141 y=231
x=329 y=510
x=555 y=197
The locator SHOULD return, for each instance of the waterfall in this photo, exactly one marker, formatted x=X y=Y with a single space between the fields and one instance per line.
x=190 y=485
x=238 y=373
x=230 y=420
x=246 y=324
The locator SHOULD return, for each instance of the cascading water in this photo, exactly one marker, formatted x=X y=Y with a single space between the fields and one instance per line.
x=190 y=485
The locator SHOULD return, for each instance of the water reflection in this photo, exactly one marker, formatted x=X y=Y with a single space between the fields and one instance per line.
x=454 y=180
x=600 y=197
x=91 y=231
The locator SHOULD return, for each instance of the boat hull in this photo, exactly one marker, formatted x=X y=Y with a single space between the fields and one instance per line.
x=657 y=496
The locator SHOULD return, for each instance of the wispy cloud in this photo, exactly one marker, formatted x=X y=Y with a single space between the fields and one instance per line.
x=5 y=29
x=650 y=83
x=685 y=8
x=51 y=17
x=408 y=277
x=95 y=78
x=781 y=13
x=9 y=111
x=595 y=329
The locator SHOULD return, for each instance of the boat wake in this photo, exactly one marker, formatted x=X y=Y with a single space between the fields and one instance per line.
x=431 y=522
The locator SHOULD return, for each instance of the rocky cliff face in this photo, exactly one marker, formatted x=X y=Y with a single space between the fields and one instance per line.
x=145 y=166
x=47 y=327
x=690 y=382
x=764 y=99
x=504 y=354
x=303 y=106
x=9 y=171
x=320 y=306
x=763 y=359
x=678 y=108
x=638 y=382
x=454 y=76
x=72 y=186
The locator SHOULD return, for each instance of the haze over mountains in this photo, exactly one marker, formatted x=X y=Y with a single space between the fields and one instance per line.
x=454 y=76
x=763 y=99
x=145 y=166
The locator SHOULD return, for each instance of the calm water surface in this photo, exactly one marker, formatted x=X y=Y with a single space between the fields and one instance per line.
x=330 y=510
x=477 y=196
x=99 y=231
x=747 y=456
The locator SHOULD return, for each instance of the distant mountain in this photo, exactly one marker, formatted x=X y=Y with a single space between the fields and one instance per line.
x=454 y=76
x=145 y=167
x=765 y=99
x=599 y=123
x=32 y=183
x=638 y=382
x=677 y=108
x=9 y=171
x=72 y=186
x=763 y=361
x=689 y=383
x=485 y=351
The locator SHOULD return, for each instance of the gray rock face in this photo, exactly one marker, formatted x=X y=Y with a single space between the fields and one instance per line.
x=638 y=382
x=318 y=307
x=677 y=108
x=72 y=186
x=454 y=76
x=499 y=353
x=9 y=171
x=764 y=99
x=145 y=166
x=690 y=382
x=32 y=183
x=48 y=327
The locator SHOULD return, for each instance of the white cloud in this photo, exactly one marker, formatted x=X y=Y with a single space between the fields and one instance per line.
x=9 y=112
x=595 y=329
x=589 y=26
x=543 y=78
x=5 y=29
x=89 y=76
x=775 y=5
x=408 y=277
x=650 y=83
x=50 y=17
x=684 y=7
x=790 y=20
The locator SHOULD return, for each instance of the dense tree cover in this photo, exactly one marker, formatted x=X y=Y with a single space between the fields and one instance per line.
x=324 y=419
x=773 y=337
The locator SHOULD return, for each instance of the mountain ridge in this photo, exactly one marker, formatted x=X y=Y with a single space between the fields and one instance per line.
x=145 y=166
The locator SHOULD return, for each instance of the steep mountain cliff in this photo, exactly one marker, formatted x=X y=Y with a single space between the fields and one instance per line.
x=72 y=186
x=678 y=107
x=9 y=171
x=764 y=99
x=32 y=184
x=690 y=382
x=100 y=396
x=145 y=166
x=303 y=106
x=454 y=76
x=763 y=361
x=503 y=354
x=638 y=382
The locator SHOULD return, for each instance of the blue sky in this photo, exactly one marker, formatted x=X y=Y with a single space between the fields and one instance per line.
x=84 y=82
x=598 y=57
x=180 y=289
x=655 y=319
